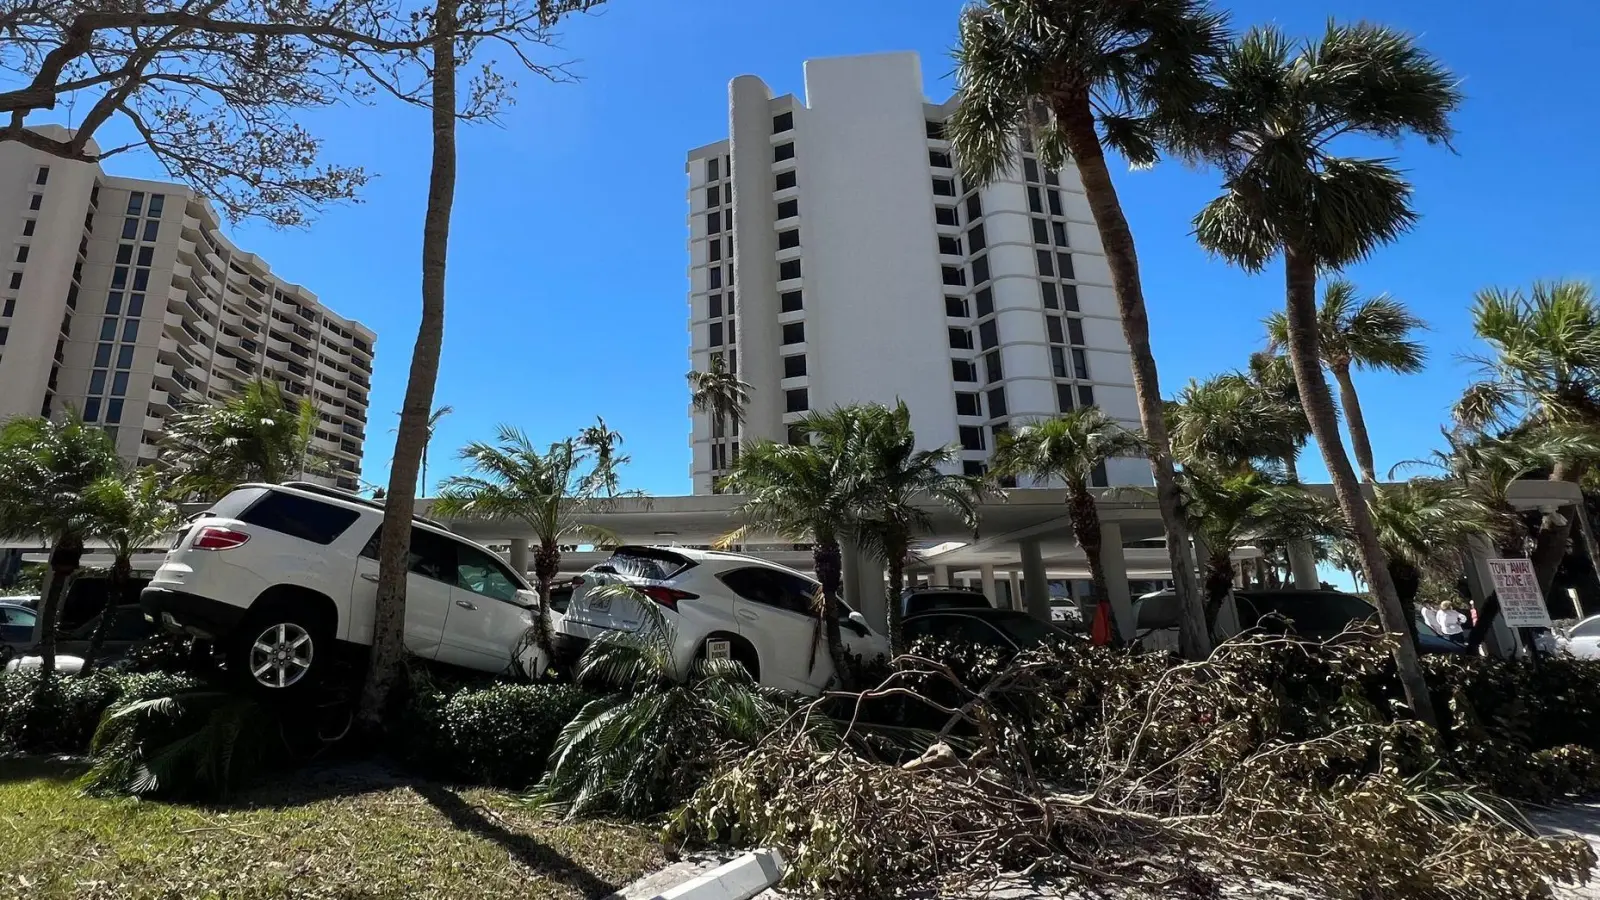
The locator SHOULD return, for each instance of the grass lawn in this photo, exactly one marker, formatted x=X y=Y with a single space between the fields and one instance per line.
x=339 y=834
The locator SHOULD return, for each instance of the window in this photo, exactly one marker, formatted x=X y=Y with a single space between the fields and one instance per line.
x=1085 y=395
x=1060 y=230
x=108 y=328
x=1058 y=362
x=714 y=277
x=1055 y=202
x=432 y=556
x=16 y=280
x=135 y=203
x=991 y=367
x=484 y=575
x=972 y=468
x=91 y=409
x=963 y=370
x=102 y=355
x=782 y=122
x=1030 y=169
x=125 y=356
x=36 y=201
x=989 y=335
x=797 y=435
x=955 y=307
x=1045 y=262
x=794 y=366
x=795 y=400
x=157 y=201
x=1064 y=264
x=949 y=246
x=985 y=298
x=789 y=301
x=714 y=222
x=1048 y=289
x=5 y=332
x=714 y=306
x=714 y=334
x=945 y=215
x=130 y=229
x=714 y=251
x=124 y=254
x=953 y=275
x=1052 y=327
x=944 y=187
x=997 y=402
x=771 y=587
x=141 y=279
x=42 y=176
x=714 y=195
x=794 y=333
x=1034 y=204
x=9 y=308
x=1050 y=177
x=938 y=159
x=976 y=240
x=1069 y=297
x=783 y=152
x=27 y=227
x=114 y=412
x=980 y=269
x=1041 y=231
x=713 y=173
x=789 y=268
x=1075 y=332
x=97 y=381
x=967 y=405
x=1097 y=475
x=788 y=239
x=22 y=253
x=1080 y=364
x=784 y=180
x=971 y=437
x=960 y=339
x=788 y=209
x=935 y=131
x=974 y=208
x=119 y=384
x=1064 y=397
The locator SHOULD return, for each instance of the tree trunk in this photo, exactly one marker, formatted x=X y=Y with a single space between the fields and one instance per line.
x=1086 y=530
x=1300 y=277
x=1360 y=444
x=1116 y=239
x=394 y=542
x=1219 y=583
x=1407 y=583
x=1555 y=531
x=116 y=595
x=897 y=585
x=65 y=558
x=546 y=565
x=827 y=560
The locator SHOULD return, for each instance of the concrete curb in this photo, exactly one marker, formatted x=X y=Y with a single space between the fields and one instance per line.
x=739 y=879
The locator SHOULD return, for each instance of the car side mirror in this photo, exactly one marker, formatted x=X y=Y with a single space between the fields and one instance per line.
x=858 y=623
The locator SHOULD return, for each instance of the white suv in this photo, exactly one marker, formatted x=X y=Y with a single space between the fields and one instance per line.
x=718 y=604
x=281 y=576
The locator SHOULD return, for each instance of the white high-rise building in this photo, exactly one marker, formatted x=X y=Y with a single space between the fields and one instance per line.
x=123 y=300
x=836 y=257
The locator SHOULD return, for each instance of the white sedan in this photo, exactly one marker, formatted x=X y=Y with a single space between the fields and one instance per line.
x=1583 y=639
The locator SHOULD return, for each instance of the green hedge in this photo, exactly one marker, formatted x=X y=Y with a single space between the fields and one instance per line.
x=499 y=735
x=62 y=717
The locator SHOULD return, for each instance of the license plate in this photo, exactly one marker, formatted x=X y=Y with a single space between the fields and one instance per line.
x=601 y=603
x=719 y=649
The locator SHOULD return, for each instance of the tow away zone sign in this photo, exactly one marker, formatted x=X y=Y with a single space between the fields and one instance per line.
x=1520 y=600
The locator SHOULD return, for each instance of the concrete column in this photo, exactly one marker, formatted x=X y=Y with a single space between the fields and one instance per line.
x=941 y=576
x=850 y=569
x=1035 y=583
x=1115 y=562
x=1500 y=640
x=519 y=555
x=986 y=580
x=1303 y=563
x=870 y=588
x=1014 y=598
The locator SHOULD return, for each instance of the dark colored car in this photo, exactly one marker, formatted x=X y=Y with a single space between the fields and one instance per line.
x=1007 y=629
x=927 y=599
x=1315 y=615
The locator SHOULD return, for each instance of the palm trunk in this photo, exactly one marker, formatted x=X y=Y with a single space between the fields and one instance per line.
x=897 y=585
x=1407 y=583
x=116 y=595
x=1086 y=530
x=1300 y=276
x=1555 y=531
x=546 y=565
x=1116 y=239
x=394 y=542
x=1360 y=444
x=65 y=558
x=828 y=561
x=1219 y=583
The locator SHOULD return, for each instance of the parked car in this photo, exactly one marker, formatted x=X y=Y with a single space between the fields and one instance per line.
x=128 y=627
x=717 y=604
x=1009 y=630
x=1582 y=640
x=284 y=576
x=16 y=624
x=922 y=599
x=1312 y=614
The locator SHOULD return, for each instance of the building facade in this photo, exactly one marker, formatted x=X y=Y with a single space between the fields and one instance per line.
x=123 y=300
x=836 y=257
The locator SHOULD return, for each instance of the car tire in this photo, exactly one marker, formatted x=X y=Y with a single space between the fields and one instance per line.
x=282 y=650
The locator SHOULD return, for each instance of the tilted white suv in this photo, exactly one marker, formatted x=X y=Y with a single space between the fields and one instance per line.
x=282 y=575
x=755 y=612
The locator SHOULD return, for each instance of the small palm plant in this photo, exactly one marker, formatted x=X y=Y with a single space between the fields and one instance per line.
x=1069 y=449
x=1232 y=422
x=719 y=393
x=654 y=732
x=1423 y=526
x=193 y=743
x=260 y=435
x=1375 y=333
x=131 y=513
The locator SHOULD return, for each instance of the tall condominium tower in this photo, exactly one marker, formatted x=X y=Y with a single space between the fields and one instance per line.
x=836 y=257
x=122 y=300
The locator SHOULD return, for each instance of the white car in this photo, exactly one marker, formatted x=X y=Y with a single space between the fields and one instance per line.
x=1582 y=640
x=283 y=576
x=718 y=605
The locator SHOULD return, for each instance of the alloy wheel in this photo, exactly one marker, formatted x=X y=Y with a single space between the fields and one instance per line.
x=281 y=655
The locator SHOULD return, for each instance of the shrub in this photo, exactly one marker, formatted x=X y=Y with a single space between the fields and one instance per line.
x=197 y=744
x=63 y=716
x=499 y=735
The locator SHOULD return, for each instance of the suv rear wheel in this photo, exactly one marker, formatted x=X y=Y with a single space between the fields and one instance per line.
x=282 y=649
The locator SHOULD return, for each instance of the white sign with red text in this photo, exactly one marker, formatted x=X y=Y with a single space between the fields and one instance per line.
x=1521 y=602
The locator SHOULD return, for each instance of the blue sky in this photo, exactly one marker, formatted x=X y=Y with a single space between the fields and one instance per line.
x=568 y=261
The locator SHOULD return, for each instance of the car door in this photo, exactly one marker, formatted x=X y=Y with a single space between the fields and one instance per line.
x=487 y=619
x=16 y=625
x=430 y=583
x=772 y=608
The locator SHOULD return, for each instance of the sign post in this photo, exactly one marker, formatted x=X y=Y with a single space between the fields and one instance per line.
x=1521 y=601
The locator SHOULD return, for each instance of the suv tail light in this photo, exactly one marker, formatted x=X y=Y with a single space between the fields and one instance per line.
x=215 y=537
x=666 y=596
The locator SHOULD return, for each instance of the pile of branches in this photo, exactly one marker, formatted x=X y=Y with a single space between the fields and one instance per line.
x=1133 y=771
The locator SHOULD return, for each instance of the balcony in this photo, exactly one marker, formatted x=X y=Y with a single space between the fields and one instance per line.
x=160 y=399
x=173 y=320
x=186 y=247
x=163 y=374
x=210 y=283
x=190 y=223
x=153 y=424
x=182 y=272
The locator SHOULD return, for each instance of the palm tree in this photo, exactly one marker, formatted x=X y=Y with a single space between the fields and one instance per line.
x=1231 y=508
x=548 y=491
x=46 y=470
x=130 y=513
x=895 y=479
x=1543 y=372
x=601 y=439
x=260 y=435
x=1231 y=422
x=1070 y=448
x=1080 y=76
x=1424 y=525
x=719 y=392
x=1270 y=127
x=1374 y=333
